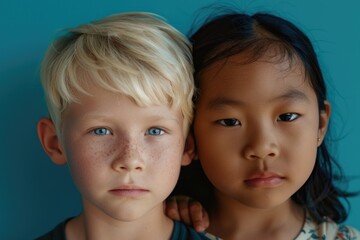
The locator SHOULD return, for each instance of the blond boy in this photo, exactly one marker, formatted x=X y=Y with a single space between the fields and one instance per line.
x=119 y=96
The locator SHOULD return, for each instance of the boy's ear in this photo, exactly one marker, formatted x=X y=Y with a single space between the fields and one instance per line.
x=50 y=141
x=189 y=150
x=324 y=122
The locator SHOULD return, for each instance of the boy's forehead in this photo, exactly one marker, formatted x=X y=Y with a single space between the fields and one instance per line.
x=148 y=90
x=100 y=100
x=89 y=87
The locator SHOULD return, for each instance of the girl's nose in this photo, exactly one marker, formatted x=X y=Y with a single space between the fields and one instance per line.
x=262 y=144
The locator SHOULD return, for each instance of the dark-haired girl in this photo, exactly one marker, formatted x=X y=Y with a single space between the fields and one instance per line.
x=261 y=117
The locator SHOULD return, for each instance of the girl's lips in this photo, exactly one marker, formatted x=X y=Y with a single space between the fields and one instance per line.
x=266 y=180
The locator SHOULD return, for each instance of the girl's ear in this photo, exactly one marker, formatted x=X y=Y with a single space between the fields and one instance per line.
x=189 y=150
x=324 y=122
x=50 y=141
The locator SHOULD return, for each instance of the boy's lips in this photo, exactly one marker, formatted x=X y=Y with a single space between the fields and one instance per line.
x=264 y=179
x=129 y=191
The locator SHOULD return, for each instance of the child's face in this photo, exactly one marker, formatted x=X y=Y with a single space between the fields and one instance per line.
x=257 y=127
x=124 y=159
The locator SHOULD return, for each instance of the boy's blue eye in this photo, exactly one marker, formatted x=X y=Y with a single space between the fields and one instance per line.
x=101 y=131
x=229 y=122
x=154 y=131
x=288 y=117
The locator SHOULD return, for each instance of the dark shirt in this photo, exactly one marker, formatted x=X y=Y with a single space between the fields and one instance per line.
x=180 y=232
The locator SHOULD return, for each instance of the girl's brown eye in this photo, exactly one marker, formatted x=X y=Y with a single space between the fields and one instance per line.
x=288 y=117
x=229 y=122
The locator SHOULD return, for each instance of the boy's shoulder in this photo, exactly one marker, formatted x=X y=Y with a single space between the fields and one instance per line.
x=184 y=232
x=58 y=233
x=180 y=232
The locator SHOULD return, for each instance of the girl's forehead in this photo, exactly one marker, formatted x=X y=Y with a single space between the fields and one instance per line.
x=242 y=66
x=261 y=81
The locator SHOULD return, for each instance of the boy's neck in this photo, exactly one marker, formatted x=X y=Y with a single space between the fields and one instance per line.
x=239 y=221
x=94 y=226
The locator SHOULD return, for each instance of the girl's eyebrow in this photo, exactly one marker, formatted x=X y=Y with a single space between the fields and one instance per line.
x=222 y=101
x=291 y=94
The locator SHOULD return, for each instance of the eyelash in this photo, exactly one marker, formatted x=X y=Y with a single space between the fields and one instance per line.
x=105 y=131
x=293 y=116
x=231 y=122
x=97 y=133
x=159 y=131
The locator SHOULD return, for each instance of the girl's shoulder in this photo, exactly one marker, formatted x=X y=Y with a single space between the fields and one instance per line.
x=327 y=230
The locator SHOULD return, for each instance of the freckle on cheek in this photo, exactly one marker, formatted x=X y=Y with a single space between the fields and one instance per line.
x=110 y=151
x=99 y=152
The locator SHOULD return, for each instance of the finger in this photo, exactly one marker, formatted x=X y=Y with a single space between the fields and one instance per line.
x=206 y=219
x=183 y=206
x=171 y=209
x=199 y=216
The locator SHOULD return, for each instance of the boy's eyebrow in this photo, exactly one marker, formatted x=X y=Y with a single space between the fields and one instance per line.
x=150 y=117
x=292 y=94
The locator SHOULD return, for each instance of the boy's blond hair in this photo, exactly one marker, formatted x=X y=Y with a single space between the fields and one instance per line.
x=136 y=54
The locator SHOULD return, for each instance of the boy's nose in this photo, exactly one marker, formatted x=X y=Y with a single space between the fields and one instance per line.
x=129 y=158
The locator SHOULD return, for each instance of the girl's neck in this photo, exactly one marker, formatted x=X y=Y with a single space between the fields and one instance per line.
x=231 y=219
x=92 y=225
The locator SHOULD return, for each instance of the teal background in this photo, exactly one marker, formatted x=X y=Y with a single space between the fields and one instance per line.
x=36 y=194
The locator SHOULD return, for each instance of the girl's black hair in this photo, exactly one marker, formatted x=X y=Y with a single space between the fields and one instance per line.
x=233 y=33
